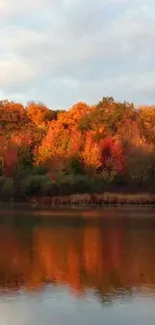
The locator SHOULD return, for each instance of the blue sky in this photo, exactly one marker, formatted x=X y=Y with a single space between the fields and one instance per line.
x=63 y=51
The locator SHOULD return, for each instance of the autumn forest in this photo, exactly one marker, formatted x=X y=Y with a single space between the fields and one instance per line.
x=85 y=149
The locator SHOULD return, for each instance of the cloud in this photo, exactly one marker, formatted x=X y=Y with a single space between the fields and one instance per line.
x=61 y=51
x=13 y=9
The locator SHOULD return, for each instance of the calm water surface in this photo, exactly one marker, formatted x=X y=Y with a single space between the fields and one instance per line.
x=95 y=273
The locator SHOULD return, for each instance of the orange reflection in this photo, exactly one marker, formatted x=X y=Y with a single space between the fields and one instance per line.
x=102 y=258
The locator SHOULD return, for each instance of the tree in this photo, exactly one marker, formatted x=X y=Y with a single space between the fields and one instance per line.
x=39 y=114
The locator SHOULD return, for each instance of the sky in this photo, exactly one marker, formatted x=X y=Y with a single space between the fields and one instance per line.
x=60 y=52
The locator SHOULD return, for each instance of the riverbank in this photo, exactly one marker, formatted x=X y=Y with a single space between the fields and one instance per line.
x=95 y=200
x=84 y=200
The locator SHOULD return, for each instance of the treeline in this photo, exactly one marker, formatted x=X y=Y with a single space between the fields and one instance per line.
x=84 y=149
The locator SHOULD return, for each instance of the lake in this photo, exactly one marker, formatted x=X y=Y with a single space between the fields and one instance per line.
x=56 y=271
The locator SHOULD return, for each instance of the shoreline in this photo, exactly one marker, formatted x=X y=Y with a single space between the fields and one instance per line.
x=98 y=215
x=83 y=200
x=93 y=200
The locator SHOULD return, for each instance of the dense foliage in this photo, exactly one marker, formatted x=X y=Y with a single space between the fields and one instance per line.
x=84 y=149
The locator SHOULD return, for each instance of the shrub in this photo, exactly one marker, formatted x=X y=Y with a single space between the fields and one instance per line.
x=3 y=179
x=49 y=187
x=8 y=188
x=38 y=185
x=64 y=183
x=81 y=184
x=30 y=185
x=69 y=184
x=25 y=186
x=39 y=170
x=76 y=166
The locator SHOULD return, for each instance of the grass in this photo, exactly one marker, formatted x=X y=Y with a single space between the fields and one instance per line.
x=94 y=199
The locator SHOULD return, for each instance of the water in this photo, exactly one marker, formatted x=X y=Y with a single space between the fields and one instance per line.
x=64 y=273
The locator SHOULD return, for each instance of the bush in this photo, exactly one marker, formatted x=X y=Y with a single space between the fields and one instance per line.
x=49 y=187
x=64 y=183
x=23 y=173
x=38 y=185
x=120 y=179
x=1 y=171
x=97 y=185
x=39 y=170
x=81 y=184
x=3 y=179
x=8 y=188
x=31 y=185
x=69 y=184
x=76 y=166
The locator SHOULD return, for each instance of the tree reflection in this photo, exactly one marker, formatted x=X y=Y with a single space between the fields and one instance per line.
x=109 y=260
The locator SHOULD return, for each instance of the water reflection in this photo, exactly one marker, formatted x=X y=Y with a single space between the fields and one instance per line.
x=111 y=260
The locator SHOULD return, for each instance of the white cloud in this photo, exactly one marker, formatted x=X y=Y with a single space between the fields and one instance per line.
x=12 y=9
x=69 y=50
